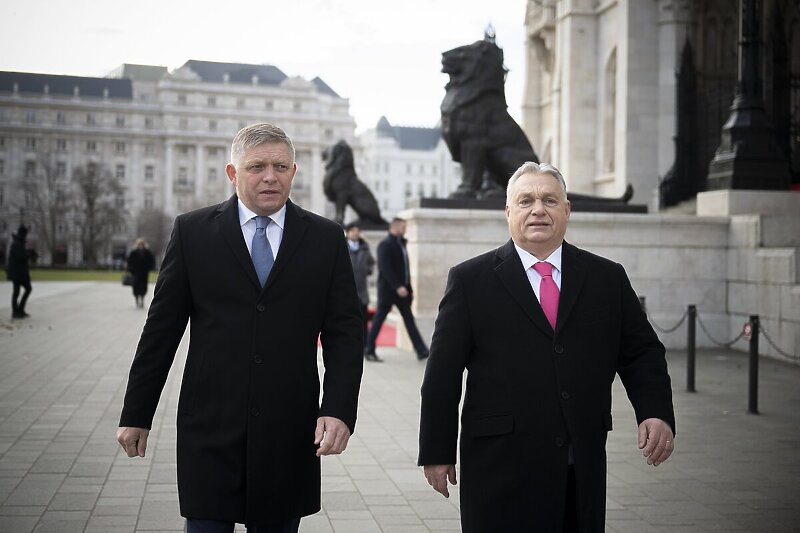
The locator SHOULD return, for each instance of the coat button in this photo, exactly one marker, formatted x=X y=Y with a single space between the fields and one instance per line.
x=254 y=411
x=565 y=395
x=257 y=359
x=558 y=349
x=260 y=308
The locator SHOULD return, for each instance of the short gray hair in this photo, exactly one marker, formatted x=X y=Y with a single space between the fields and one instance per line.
x=257 y=134
x=529 y=167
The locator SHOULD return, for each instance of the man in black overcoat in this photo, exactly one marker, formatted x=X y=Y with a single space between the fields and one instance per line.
x=18 y=272
x=394 y=289
x=542 y=327
x=251 y=426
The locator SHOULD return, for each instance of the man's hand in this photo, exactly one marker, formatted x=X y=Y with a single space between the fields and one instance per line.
x=331 y=435
x=655 y=437
x=133 y=440
x=437 y=476
x=402 y=292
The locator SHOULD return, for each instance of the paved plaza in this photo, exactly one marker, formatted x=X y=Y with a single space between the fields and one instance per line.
x=62 y=379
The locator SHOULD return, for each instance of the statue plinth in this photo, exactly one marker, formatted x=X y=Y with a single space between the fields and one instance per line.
x=498 y=204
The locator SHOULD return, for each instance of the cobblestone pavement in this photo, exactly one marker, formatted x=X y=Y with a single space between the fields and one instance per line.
x=63 y=374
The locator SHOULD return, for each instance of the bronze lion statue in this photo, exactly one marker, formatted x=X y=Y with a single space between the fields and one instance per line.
x=343 y=188
x=476 y=126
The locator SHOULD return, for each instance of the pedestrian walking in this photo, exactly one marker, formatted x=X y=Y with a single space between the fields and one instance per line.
x=140 y=262
x=18 y=272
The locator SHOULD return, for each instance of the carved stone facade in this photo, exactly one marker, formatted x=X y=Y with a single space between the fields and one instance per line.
x=600 y=97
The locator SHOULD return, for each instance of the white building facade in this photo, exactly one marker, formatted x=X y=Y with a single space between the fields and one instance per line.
x=165 y=135
x=403 y=163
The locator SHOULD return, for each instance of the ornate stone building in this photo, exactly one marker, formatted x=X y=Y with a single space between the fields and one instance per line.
x=601 y=98
x=164 y=135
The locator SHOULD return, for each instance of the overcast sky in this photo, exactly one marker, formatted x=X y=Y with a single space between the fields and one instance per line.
x=384 y=56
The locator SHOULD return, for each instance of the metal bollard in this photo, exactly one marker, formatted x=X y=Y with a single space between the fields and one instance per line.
x=690 y=347
x=752 y=397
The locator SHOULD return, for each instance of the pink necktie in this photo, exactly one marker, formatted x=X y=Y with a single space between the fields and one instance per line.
x=548 y=292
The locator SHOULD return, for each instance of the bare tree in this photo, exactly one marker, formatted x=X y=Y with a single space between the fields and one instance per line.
x=98 y=208
x=153 y=226
x=47 y=193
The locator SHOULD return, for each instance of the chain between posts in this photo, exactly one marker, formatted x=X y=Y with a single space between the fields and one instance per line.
x=667 y=330
x=775 y=346
x=715 y=341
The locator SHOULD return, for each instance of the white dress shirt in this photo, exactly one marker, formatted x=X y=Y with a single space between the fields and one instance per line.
x=274 y=230
x=535 y=279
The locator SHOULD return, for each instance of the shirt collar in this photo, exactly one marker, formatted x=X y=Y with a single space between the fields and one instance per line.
x=528 y=259
x=245 y=215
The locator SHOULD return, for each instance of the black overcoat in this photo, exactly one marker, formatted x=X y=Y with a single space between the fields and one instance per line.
x=391 y=268
x=250 y=395
x=531 y=392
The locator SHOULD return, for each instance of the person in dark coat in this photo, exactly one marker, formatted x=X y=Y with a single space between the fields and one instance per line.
x=259 y=280
x=394 y=289
x=542 y=327
x=140 y=262
x=18 y=272
x=363 y=263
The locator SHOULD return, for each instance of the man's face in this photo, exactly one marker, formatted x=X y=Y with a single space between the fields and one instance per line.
x=398 y=229
x=354 y=233
x=537 y=214
x=263 y=177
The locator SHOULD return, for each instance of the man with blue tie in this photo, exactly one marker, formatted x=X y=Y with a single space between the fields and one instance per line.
x=542 y=327
x=259 y=280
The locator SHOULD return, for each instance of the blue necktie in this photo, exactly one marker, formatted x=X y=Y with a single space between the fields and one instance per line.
x=262 y=251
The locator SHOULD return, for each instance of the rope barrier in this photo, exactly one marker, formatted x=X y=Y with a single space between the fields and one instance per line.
x=668 y=330
x=715 y=341
x=775 y=346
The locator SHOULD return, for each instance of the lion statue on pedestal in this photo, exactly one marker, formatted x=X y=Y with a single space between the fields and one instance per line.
x=343 y=188
x=476 y=126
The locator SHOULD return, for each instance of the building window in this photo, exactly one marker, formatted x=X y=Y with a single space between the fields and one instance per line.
x=61 y=169
x=90 y=119
x=240 y=103
x=181 y=99
x=408 y=190
x=2 y=143
x=91 y=146
x=408 y=168
x=148 y=122
x=212 y=174
x=120 y=201
x=183 y=124
x=184 y=150
x=61 y=118
x=2 y=167
x=434 y=191
x=61 y=145
x=386 y=167
x=183 y=176
x=421 y=190
x=435 y=170
x=212 y=101
x=120 y=121
x=269 y=105
x=30 y=117
x=120 y=147
x=30 y=169
x=422 y=170
x=149 y=172
x=120 y=172
x=212 y=125
x=148 y=200
x=30 y=144
x=149 y=149
x=329 y=133
x=298 y=106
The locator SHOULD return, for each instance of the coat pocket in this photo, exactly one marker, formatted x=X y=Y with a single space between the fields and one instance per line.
x=491 y=426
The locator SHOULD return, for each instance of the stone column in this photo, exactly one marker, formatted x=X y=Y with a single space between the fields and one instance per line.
x=200 y=175
x=169 y=207
x=673 y=21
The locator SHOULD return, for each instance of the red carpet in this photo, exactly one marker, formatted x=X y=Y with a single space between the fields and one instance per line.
x=386 y=337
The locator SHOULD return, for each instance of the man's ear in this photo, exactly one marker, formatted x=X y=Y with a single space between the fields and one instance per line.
x=230 y=170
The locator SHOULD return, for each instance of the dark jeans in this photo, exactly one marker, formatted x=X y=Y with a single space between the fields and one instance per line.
x=194 y=525
x=404 y=306
x=19 y=306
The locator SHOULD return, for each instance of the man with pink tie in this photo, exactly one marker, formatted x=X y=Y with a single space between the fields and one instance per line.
x=542 y=327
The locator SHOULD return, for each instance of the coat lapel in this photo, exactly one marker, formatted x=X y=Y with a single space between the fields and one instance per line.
x=294 y=228
x=512 y=276
x=573 y=274
x=231 y=230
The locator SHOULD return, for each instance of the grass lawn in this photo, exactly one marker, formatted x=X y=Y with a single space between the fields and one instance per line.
x=53 y=274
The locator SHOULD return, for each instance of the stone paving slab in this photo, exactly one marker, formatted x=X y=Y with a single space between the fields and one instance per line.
x=63 y=374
